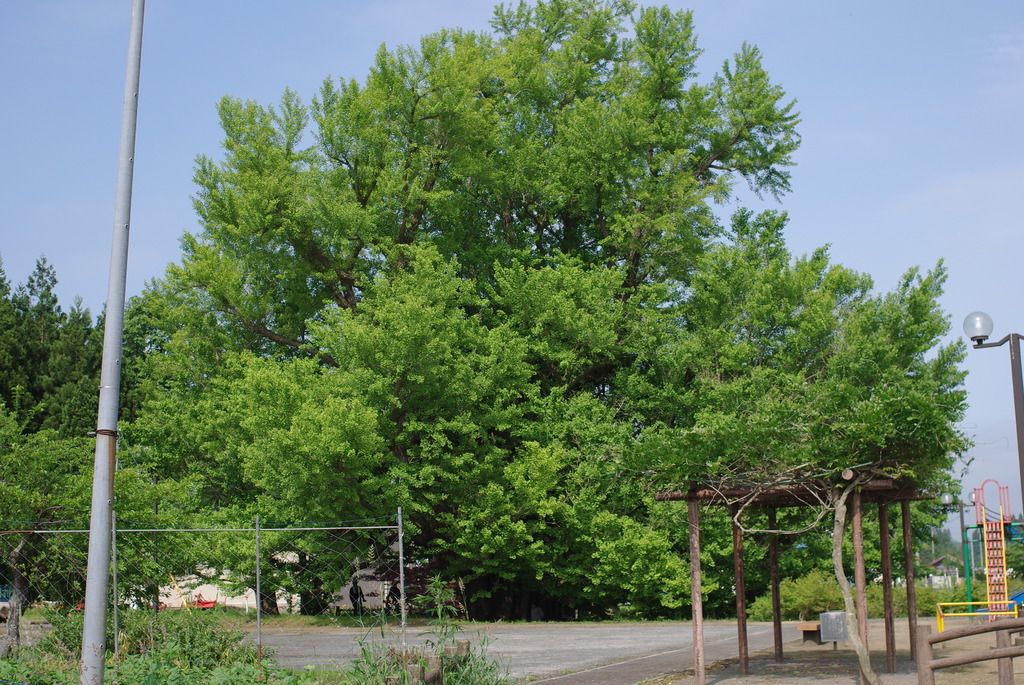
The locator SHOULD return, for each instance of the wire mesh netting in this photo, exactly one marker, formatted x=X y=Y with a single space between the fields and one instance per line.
x=252 y=584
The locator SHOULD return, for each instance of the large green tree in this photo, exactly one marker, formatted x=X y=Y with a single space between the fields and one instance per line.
x=489 y=284
x=798 y=364
x=45 y=485
x=49 y=358
x=559 y=134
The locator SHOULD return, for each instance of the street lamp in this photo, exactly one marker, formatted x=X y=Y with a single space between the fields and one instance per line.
x=948 y=502
x=978 y=327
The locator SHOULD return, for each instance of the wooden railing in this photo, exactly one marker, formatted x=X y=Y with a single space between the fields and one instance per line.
x=927 y=664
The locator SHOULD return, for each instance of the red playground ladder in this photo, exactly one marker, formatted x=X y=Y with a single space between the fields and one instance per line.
x=993 y=526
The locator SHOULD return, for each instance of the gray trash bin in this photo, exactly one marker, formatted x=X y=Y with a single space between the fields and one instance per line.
x=833 y=626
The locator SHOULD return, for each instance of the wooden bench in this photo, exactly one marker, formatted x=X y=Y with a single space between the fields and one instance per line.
x=811 y=631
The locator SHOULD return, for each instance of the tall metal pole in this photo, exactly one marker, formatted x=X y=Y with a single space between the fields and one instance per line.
x=967 y=555
x=113 y=576
x=259 y=598
x=97 y=582
x=1018 y=403
x=401 y=571
x=1018 y=390
x=978 y=327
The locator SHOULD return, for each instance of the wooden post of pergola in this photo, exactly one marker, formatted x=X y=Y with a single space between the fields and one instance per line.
x=741 y=592
x=908 y=570
x=696 y=594
x=776 y=582
x=859 y=573
x=882 y=491
x=884 y=547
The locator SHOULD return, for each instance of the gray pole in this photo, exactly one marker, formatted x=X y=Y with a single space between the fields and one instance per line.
x=1018 y=403
x=979 y=337
x=114 y=576
x=401 y=571
x=259 y=599
x=97 y=582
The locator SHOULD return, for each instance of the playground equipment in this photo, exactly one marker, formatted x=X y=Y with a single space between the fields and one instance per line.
x=993 y=526
x=946 y=610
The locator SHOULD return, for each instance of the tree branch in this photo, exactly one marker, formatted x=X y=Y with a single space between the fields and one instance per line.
x=265 y=332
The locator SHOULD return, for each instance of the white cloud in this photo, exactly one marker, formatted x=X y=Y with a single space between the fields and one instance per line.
x=1004 y=65
x=822 y=143
x=981 y=205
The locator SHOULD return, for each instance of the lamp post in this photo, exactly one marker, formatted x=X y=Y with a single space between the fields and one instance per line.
x=947 y=501
x=978 y=327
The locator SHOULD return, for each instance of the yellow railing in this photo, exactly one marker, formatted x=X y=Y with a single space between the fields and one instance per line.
x=991 y=610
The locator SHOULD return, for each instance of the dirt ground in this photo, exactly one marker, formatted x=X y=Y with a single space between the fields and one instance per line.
x=631 y=654
x=805 y=664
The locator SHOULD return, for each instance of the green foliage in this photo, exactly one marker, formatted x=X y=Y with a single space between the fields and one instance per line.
x=560 y=134
x=636 y=565
x=174 y=636
x=801 y=598
x=927 y=597
x=43 y=477
x=49 y=358
x=797 y=366
x=377 y=662
x=818 y=591
x=197 y=648
x=1014 y=556
x=488 y=284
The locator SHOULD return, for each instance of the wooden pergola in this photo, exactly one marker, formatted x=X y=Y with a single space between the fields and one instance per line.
x=881 y=492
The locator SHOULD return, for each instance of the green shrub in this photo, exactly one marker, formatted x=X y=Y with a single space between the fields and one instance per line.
x=806 y=597
x=199 y=636
x=377 y=662
x=209 y=648
x=801 y=598
x=927 y=597
x=197 y=648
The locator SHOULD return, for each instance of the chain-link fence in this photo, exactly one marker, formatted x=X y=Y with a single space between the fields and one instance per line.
x=254 y=580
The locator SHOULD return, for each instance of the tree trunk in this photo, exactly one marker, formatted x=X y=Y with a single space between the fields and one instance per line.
x=838 y=532
x=17 y=560
x=523 y=608
x=312 y=599
x=268 y=602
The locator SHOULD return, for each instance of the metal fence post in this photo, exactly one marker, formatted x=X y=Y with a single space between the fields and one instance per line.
x=113 y=575
x=401 y=571
x=368 y=541
x=259 y=600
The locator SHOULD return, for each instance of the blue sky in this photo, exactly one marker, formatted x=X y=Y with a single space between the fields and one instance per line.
x=912 y=136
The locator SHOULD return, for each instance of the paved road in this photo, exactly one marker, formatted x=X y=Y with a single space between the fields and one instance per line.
x=597 y=652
